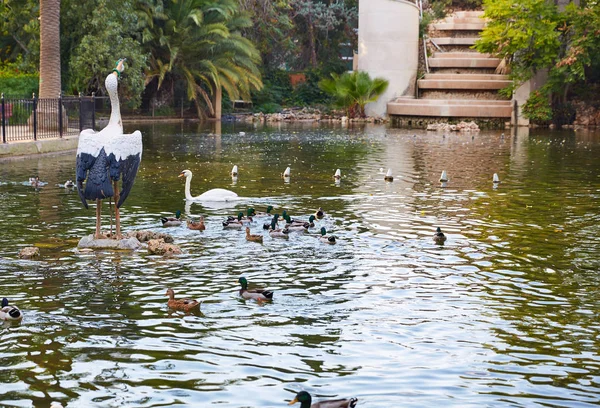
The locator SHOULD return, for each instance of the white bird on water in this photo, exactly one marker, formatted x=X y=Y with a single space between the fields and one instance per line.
x=214 y=195
x=388 y=176
x=495 y=178
x=234 y=171
x=286 y=173
x=444 y=177
x=338 y=175
x=105 y=157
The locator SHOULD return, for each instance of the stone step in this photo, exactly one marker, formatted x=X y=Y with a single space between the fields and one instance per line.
x=455 y=40
x=451 y=108
x=464 y=62
x=463 y=20
x=472 y=77
x=460 y=27
x=487 y=102
x=460 y=54
x=468 y=13
x=488 y=84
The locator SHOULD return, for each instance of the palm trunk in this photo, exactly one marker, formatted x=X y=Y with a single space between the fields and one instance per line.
x=50 y=83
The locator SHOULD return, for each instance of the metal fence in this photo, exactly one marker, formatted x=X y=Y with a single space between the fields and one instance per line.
x=34 y=118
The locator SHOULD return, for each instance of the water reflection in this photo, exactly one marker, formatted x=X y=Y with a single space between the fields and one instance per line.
x=504 y=313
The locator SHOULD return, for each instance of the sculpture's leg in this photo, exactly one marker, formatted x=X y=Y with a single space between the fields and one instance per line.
x=98 y=209
x=117 y=216
x=110 y=206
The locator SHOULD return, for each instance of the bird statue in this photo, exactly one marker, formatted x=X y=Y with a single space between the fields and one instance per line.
x=11 y=313
x=338 y=175
x=439 y=237
x=105 y=157
x=305 y=401
x=388 y=176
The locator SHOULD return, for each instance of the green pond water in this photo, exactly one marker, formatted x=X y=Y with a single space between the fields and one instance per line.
x=506 y=313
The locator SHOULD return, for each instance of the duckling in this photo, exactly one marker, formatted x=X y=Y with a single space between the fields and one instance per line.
x=439 y=237
x=172 y=221
x=253 y=237
x=259 y=295
x=185 y=305
x=11 y=313
x=234 y=223
x=305 y=401
x=278 y=233
x=196 y=225
x=326 y=239
x=319 y=213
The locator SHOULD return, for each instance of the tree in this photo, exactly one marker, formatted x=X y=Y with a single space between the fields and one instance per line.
x=50 y=83
x=199 y=42
x=353 y=90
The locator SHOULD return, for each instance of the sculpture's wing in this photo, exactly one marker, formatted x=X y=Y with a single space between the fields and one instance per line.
x=88 y=149
x=125 y=155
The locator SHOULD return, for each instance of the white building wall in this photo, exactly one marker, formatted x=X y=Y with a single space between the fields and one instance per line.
x=388 y=41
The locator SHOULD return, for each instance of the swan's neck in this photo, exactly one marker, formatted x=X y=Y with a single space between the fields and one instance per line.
x=188 y=181
x=112 y=84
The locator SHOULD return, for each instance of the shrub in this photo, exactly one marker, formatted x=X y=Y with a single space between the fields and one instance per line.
x=537 y=108
x=16 y=83
x=353 y=90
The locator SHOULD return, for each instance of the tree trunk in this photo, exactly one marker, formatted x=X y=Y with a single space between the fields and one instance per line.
x=50 y=84
x=312 y=42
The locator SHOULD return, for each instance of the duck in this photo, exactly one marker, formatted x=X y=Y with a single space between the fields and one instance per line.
x=295 y=225
x=214 y=195
x=196 y=225
x=259 y=295
x=319 y=213
x=172 y=221
x=234 y=223
x=269 y=225
x=439 y=237
x=69 y=184
x=278 y=233
x=326 y=239
x=305 y=401
x=185 y=305
x=253 y=237
x=264 y=214
x=11 y=313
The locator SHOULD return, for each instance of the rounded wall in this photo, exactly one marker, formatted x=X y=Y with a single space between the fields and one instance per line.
x=388 y=47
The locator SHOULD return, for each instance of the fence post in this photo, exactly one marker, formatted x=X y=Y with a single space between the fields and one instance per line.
x=93 y=110
x=3 y=120
x=80 y=114
x=60 y=112
x=35 y=101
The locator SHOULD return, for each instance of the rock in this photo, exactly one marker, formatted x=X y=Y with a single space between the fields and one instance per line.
x=146 y=235
x=130 y=243
x=160 y=247
x=29 y=252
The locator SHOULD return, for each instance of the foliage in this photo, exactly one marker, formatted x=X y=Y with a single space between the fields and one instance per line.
x=352 y=91
x=16 y=83
x=439 y=7
x=107 y=34
x=19 y=32
x=199 y=42
x=269 y=107
x=537 y=108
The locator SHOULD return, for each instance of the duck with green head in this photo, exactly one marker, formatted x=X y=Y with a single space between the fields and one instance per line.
x=295 y=225
x=267 y=214
x=269 y=225
x=305 y=401
x=172 y=221
x=278 y=233
x=327 y=239
x=260 y=295
x=439 y=237
x=234 y=223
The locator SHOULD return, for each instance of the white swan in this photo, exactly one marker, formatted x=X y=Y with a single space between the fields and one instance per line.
x=216 y=194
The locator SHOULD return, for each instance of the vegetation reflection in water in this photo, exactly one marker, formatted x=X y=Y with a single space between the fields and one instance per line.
x=505 y=313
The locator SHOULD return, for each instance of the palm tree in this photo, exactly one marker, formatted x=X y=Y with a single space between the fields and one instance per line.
x=199 y=42
x=353 y=90
x=50 y=83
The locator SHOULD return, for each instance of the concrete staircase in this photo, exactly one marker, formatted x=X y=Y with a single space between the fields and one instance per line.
x=461 y=83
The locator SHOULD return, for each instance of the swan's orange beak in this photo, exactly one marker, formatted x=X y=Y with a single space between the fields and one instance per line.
x=181 y=175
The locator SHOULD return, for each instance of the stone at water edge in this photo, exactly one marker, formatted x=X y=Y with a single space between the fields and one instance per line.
x=147 y=235
x=29 y=252
x=130 y=243
x=160 y=247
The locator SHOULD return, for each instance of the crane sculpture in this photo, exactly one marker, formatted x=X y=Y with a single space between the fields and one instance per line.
x=105 y=157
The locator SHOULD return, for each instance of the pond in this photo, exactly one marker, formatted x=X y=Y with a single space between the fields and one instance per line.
x=506 y=313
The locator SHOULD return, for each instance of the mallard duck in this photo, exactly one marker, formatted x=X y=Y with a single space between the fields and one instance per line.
x=172 y=221
x=319 y=213
x=439 y=237
x=253 y=237
x=326 y=239
x=234 y=223
x=265 y=214
x=305 y=401
x=196 y=225
x=260 y=295
x=269 y=225
x=278 y=233
x=296 y=225
x=11 y=313
x=185 y=305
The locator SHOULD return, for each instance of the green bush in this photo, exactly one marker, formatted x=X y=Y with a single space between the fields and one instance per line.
x=269 y=107
x=537 y=108
x=16 y=83
x=353 y=90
